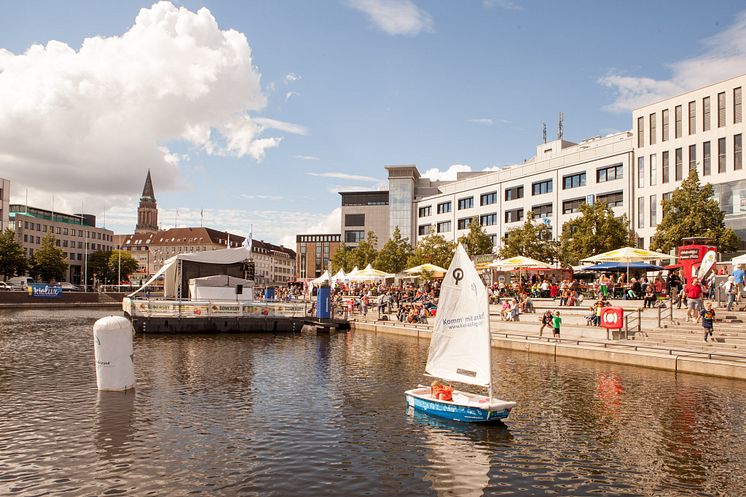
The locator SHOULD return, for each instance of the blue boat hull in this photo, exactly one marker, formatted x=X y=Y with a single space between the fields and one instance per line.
x=449 y=410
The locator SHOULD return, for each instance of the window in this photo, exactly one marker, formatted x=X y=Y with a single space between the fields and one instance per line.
x=444 y=227
x=424 y=211
x=491 y=219
x=514 y=193
x=665 y=167
x=464 y=223
x=678 y=165
x=354 y=219
x=692 y=117
x=640 y=212
x=664 y=125
x=640 y=132
x=444 y=208
x=677 y=122
x=706 y=114
x=514 y=216
x=38 y=240
x=493 y=239
x=541 y=187
x=721 y=155
x=706 y=169
x=721 y=109
x=737 y=152
x=653 y=211
x=692 y=158
x=488 y=198
x=653 y=170
x=354 y=236
x=615 y=199
x=641 y=172
x=573 y=181
x=653 y=129
x=572 y=206
x=737 y=105
x=544 y=210
x=465 y=203
x=609 y=173
x=423 y=230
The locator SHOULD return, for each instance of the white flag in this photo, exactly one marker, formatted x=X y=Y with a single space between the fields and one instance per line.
x=248 y=242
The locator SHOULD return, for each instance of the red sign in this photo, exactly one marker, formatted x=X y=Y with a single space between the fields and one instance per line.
x=612 y=318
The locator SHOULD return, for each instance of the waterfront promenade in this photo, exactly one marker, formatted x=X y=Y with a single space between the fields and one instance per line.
x=660 y=339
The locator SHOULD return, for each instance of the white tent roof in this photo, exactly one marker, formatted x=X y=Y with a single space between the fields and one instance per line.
x=220 y=280
x=321 y=279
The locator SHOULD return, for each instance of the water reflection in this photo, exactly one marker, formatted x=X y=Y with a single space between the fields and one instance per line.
x=115 y=424
x=459 y=454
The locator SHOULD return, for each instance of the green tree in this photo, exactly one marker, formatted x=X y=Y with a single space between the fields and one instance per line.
x=98 y=265
x=341 y=258
x=128 y=264
x=596 y=230
x=12 y=258
x=434 y=249
x=476 y=241
x=365 y=253
x=530 y=240
x=693 y=210
x=49 y=262
x=392 y=258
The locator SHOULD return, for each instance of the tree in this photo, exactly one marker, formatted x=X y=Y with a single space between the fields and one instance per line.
x=530 y=240
x=12 y=257
x=365 y=253
x=693 y=210
x=434 y=249
x=476 y=241
x=49 y=262
x=341 y=258
x=596 y=230
x=392 y=258
x=98 y=265
x=128 y=264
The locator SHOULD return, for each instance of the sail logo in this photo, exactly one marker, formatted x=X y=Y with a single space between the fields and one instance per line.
x=458 y=275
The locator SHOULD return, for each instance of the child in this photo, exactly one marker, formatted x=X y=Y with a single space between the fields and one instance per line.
x=441 y=392
x=556 y=323
x=708 y=319
x=546 y=320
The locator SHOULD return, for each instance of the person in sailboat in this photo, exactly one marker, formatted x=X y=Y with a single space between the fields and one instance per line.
x=440 y=391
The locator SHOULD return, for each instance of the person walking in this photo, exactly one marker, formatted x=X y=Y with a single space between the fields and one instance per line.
x=556 y=324
x=730 y=291
x=693 y=292
x=546 y=321
x=738 y=277
x=708 y=319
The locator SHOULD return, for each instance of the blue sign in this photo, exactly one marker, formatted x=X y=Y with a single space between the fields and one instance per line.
x=46 y=291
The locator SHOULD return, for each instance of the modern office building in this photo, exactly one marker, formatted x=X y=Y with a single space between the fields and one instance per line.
x=4 y=203
x=314 y=253
x=701 y=130
x=632 y=171
x=75 y=234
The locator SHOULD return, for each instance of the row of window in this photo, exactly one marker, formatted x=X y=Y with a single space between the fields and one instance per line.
x=65 y=243
x=705 y=118
x=678 y=165
x=43 y=228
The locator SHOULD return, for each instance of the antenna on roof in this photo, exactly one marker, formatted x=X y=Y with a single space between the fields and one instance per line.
x=544 y=132
x=560 y=126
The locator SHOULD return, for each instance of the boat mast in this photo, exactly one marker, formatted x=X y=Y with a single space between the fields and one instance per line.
x=489 y=344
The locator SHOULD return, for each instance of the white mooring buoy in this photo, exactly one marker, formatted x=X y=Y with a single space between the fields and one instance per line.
x=115 y=362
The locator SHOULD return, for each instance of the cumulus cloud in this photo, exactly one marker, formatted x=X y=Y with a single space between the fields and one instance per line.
x=96 y=118
x=395 y=17
x=345 y=176
x=724 y=57
x=291 y=77
x=327 y=224
x=436 y=174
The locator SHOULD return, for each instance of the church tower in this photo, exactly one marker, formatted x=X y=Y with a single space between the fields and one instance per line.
x=147 y=212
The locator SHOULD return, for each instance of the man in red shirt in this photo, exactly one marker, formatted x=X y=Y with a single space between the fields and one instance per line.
x=693 y=292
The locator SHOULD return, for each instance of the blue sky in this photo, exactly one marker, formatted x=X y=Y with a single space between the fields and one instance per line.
x=260 y=113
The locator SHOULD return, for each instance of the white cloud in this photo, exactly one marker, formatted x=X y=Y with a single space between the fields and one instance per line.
x=395 y=17
x=328 y=224
x=436 y=174
x=723 y=58
x=261 y=197
x=345 y=176
x=482 y=120
x=95 y=119
x=291 y=94
x=307 y=157
x=503 y=4
x=291 y=77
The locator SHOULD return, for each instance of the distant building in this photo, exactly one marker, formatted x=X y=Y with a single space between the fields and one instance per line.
x=75 y=234
x=363 y=212
x=4 y=203
x=314 y=253
x=147 y=211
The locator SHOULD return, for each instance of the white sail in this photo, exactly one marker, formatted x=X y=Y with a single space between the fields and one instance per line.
x=460 y=344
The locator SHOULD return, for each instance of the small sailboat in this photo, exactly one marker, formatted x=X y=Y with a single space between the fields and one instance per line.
x=460 y=349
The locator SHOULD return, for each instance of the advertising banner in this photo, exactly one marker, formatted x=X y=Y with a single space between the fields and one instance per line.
x=45 y=291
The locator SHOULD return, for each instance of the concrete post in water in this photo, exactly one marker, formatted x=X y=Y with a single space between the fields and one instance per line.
x=112 y=344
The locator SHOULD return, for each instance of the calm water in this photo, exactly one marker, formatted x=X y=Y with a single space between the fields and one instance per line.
x=317 y=415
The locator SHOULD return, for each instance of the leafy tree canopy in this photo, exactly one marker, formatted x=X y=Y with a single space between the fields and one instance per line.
x=530 y=240
x=476 y=241
x=98 y=265
x=394 y=254
x=434 y=249
x=49 y=262
x=128 y=264
x=365 y=253
x=691 y=211
x=12 y=257
x=595 y=231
